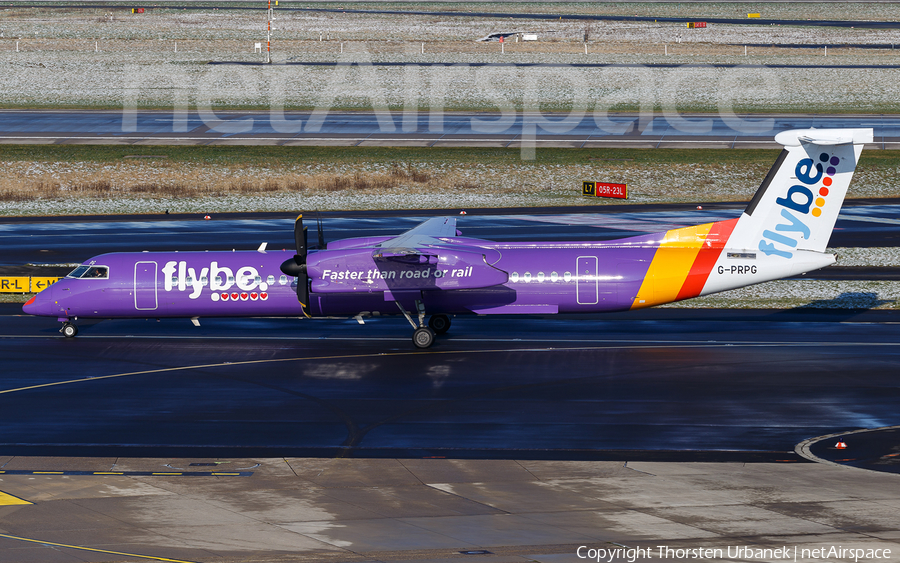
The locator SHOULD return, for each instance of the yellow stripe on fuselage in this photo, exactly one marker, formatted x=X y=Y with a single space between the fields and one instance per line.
x=671 y=265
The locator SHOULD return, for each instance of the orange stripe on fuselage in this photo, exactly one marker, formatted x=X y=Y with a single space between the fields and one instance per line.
x=671 y=265
x=706 y=259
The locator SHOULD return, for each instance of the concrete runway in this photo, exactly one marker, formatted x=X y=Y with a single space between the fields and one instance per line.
x=394 y=129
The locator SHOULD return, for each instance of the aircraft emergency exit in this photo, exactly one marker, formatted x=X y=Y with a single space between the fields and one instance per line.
x=433 y=271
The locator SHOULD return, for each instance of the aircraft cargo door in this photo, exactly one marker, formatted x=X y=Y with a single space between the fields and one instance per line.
x=586 y=284
x=145 y=298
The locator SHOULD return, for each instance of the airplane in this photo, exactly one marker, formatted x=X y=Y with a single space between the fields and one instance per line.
x=432 y=270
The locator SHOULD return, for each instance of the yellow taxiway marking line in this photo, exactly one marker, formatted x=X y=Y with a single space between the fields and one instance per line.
x=7 y=499
x=224 y=364
x=167 y=474
x=202 y=366
x=648 y=344
x=95 y=549
x=48 y=473
x=108 y=473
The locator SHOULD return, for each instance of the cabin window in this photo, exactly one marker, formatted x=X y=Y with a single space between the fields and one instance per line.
x=270 y=280
x=282 y=280
x=554 y=276
x=527 y=277
x=204 y=281
x=514 y=277
x=567 y=276
x=257 y=279
x=540 y=277
x=230 y=279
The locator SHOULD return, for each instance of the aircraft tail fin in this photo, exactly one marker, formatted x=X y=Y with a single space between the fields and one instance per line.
x=798 y=202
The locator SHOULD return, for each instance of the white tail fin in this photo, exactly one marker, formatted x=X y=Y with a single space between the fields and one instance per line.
x=798 y=203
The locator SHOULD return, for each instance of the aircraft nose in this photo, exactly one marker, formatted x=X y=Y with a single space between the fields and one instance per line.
x=41 y=304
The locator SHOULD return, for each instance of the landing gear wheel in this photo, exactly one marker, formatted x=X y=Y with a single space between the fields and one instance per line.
x=69 y=330
x=423 y=337
x=439 y=323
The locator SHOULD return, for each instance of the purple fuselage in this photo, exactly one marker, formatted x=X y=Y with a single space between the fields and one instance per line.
x=481 y=277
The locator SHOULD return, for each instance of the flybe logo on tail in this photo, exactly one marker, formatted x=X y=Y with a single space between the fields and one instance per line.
x=800 y=201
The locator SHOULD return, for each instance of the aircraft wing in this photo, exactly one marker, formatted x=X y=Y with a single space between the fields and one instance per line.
x=411 y=242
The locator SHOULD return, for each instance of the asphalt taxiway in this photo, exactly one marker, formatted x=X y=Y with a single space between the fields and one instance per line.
x=511 y=439
x=450 y=129
x=649 y=381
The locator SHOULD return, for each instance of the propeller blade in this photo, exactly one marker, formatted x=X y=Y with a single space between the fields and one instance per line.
x=296 y=266
x=303 y=288
x=300 y=237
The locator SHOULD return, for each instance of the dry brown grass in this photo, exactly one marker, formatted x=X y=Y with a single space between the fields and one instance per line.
x=187 y=181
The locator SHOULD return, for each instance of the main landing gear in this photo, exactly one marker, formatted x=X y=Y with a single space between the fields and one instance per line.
x=423 y=336
x=69 y=330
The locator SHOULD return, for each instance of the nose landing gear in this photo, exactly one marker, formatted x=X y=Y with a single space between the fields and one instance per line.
x=69 y=330
x=423 y=336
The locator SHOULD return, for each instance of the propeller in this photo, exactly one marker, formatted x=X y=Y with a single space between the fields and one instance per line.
x=296 y=266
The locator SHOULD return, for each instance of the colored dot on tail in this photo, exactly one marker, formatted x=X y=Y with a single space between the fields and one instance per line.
x=820 y=202
x=823 y=157
x=823 y=192
x=826 y=181
x=816 y=212
x=830 y=170
x=835 y=160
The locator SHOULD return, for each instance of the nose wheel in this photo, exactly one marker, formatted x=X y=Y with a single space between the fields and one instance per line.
x=423 y=336
x=69 y=330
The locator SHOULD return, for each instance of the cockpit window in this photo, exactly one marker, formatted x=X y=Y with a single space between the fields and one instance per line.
x=77 y=272
x=90 y=272
x=97 y=272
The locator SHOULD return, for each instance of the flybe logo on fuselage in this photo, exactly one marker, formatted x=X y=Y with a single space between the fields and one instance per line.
x=177 y=276
x=798 y=204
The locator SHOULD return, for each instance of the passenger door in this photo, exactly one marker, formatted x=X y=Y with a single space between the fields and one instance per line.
x=145 y=296
x=587 y=281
